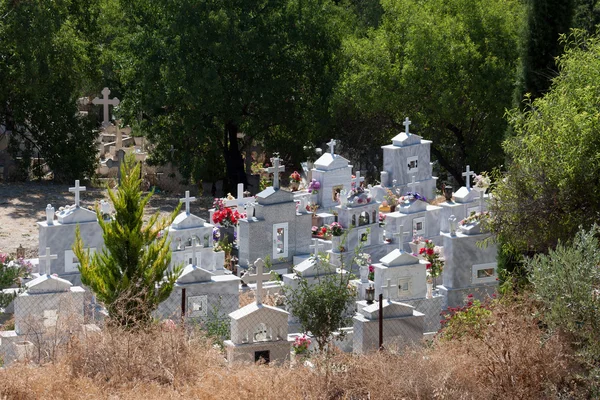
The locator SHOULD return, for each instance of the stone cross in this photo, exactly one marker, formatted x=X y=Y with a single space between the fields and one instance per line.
x=412 y=185
x=275 y=170
x=47 y=259
x=386 y=288
x=331 y=145
x=316 y=246
x=105 y=101
x=241 y=200
x=407 y=123
x=468 y=176
x=77 y=189
x=400 y=237
x=187 y=199
x=259 y=264
x=358 y=180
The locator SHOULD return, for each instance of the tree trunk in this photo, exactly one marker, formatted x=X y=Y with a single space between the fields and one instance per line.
x=233 y=159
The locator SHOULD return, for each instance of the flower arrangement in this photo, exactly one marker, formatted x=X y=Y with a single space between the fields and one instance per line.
x=435 y=264
x=417 y=239
x=301 y=344
x=314 y=186
x=391 y=198
x=225 y=216
x=312 y=207
x=363 y=259
x=412 y=196
x=295 y=177
x=382 y=220
x=482 y=181
x=320 y=231
x=336 y=229
x=371 y=273
x=474 y=218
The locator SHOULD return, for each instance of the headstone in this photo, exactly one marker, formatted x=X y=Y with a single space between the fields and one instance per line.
x=105 y=102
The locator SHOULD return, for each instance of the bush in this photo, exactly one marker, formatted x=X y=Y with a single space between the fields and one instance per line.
x=567 y=282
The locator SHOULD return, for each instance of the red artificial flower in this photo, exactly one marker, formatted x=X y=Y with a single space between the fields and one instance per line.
x=429 y=251
x=428 y=266
x=470 y=296
x=324 y=230
x=422 y=250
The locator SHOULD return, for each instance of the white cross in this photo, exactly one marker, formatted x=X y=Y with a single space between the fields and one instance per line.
x=331 y=145
x=468 y=176
x=315 y=246
x=386 y=288
x=358 y=180
x=400 y=235
x=77 y=189
x=259 y=264
x=407 y=123
x=47 y=258
x=105 y=101
x=187 y=199
x=275 y=170
x=241 y=201
x=412 y=185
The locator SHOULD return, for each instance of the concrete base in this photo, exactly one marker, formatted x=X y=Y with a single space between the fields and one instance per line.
x=458 y=297
x=279 y=351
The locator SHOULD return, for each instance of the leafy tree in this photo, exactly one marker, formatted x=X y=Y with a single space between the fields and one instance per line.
x=130 y=274
x=45 y=61
x=201 y=73
x=554 y=168
x=449 y=65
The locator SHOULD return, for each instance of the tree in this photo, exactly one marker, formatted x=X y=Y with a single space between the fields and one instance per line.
x=202 y=73
x=130 y=275
x=553 y=173
x=45 y=62
x=448 y=65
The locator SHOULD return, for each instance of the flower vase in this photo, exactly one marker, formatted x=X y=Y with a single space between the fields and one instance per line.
x=429 y=290
x=364 y=273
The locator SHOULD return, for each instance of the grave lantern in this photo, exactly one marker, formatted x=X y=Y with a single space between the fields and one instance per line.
x=20 y=251
x=370 y=294
x=448 y=192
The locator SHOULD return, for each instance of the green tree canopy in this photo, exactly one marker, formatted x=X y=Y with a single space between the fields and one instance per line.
x=45 y=62
x=200 y=73
x=448 y=65
x=553 y=175
x=130 y=275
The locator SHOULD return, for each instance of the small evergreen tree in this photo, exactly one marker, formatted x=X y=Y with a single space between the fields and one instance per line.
x=130 y=274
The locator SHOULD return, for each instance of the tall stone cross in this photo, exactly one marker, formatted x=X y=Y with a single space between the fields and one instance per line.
x=187 y=199
x=406 y=124
x=387 y=288
x=240 y=201
x=358 y=180
x=275 y=170
x=400 y=237
x=316 y=246
x=331 y=145
x=105 y=101
x=77 y=189
x=47 y=259
x=412 y=185
x=468 y=176
x=260 y=276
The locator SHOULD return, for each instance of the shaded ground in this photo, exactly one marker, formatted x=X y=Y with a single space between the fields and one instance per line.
x=22 y=205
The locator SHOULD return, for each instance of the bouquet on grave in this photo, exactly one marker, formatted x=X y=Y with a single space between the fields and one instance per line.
x=363 y=259
x=301 y=344
x=225 y=216
x=482 y=181
x=295 y=177
x=382 y=220
x=411 y=196
x=336 y=229
x=314 y=186
x=435 y=264
x=474 y=218
x=320 y=231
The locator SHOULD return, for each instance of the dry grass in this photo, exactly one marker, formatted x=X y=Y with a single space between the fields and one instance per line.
x=512 y=360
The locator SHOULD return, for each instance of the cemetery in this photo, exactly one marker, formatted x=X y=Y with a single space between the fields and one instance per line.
x=312 y=200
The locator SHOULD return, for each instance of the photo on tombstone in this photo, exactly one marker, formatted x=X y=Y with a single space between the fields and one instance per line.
x=280 y=240
x=419 y=226
x=363 y=219
x=404 y=285
x=484 y=273
x=260 y=333
x=413 y=164
x=335 y=192
x=198 y=306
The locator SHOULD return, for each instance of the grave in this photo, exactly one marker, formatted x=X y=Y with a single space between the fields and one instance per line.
x=402 y=324
x=259 y=331
x=274 y=228
x=470 y=268
x=334 y=173
x=59 y=235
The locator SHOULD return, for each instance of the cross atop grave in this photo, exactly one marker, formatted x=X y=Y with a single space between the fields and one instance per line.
x=331 y=145
x=105 y=102
x=77 y=189
x=400 y=237
x=275 y=170
x=259 y=264
x=241 y=201
x=407 y=123
x=358 y=180
x=386 y=288
x=468 y=176
x=316 y=246
x=47 y=259
x=412 y=185
x=187 y=200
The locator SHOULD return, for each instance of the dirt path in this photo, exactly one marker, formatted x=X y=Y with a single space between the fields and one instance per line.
x=22 y=205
